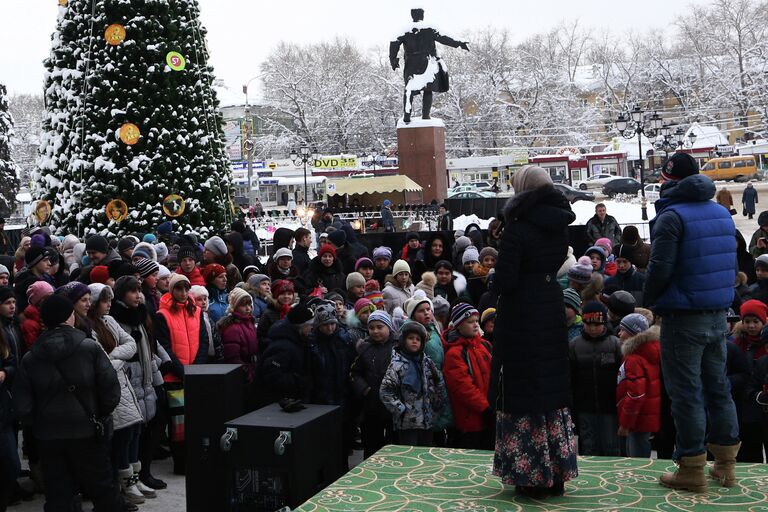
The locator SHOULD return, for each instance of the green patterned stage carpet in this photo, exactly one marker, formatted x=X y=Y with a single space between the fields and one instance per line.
x=403 y=478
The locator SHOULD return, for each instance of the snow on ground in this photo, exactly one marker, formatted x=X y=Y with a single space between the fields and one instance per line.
x=625 y=213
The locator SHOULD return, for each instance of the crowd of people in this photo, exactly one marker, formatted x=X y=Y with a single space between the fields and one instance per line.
x=502 y=340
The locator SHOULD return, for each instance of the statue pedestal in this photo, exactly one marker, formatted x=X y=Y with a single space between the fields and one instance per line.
x=421 y=156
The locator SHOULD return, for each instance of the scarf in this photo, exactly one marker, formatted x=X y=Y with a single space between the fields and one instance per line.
x=283 y=309
x=414 y=375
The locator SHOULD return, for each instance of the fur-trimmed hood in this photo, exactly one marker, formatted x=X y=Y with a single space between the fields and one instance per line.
x=633 y=344
x=544 y=207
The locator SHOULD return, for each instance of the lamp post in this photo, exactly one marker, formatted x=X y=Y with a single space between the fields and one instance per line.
x=303 y=156
x=248 y=143
x=374 y=155
x=638 y=123
x=666 y=140
x=680 y=136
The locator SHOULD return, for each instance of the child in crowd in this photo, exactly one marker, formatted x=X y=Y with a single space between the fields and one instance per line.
x=467 y=371
x=753 y=431
x=419 y=309
x=365 y=267
x=163 y=280
x=357 y=320
x=488 y=257
x=595 y=359
x=597 y=258
x=638 y=392
x=412 y=389
x=759 y=289
x=610 y=261
x=32 y=325
x=202 y=300
x=376 y=298
x=572 y=312
x=487 y=324
x=626 y=277
x=238 y=333
x=382 y=257
x=284 y=296
x=355 y=289
x=215 y=277
x=281 y=265
x=339 y=304
x=469 y=260
x=580 y=274
x=187 y=266
x=373 y=357
x=620 y=304
x=399 y=287
x=260 y=288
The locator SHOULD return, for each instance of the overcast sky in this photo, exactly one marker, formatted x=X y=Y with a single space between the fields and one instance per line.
x=241 y=33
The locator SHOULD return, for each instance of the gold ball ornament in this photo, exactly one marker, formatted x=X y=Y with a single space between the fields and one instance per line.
x=114 y=34
x=117 y=210
x=129 y=134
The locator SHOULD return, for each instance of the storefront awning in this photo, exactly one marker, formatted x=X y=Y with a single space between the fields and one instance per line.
x=378 y=185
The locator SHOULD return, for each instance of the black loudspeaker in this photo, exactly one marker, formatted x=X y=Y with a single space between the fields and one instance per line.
x=279 y=459
x=213 y=395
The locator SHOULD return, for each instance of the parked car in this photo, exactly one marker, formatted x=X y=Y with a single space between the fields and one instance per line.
x=652 y=192
x=573 y=194
x=596 y=181
x=482 y=185
x=472 y=195
x=462 y=188
x=653 y=176
x=621 y=186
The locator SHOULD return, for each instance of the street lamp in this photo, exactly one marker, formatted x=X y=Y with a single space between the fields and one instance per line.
x=248 y=143
x=638 y=122
x=303 y=156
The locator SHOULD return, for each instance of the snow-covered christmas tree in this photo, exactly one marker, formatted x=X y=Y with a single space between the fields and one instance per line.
x=132 y=117
x=9 y=181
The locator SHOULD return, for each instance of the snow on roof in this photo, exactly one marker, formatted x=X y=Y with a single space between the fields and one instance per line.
x=707 y=136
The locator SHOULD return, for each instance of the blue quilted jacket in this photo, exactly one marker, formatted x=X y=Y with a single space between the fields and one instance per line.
x=693 y=249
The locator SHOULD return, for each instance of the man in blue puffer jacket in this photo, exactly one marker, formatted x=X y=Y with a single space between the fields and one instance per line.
x=690 y=285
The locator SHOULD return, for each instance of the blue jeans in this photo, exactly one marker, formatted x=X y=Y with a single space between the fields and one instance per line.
x=693 y=355
x=639 y=444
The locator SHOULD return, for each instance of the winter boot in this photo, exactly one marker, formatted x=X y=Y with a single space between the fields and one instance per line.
x=689 y=475
x=128 y=486
x=148 y=492
x=724 y=470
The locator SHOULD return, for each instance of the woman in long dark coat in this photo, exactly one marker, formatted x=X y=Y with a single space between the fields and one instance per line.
x=530 y=387
x=749 y=200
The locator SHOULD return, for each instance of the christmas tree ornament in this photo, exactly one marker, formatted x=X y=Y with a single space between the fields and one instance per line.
x=42 y=211
x=176 y=61
x=117 y=210
x=129 y=134
x=115 y=34
x=174 y=205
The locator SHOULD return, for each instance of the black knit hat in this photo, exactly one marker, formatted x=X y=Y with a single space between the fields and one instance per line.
x=124 y=285
x=186 y=251
x=624 y=251
x=762 y=219
x=621 y=303
x=594 y=312
x=300 y=314
x=55 y=310
x=679 y=166
x=97 y=243
x=33 y=256
x=125 y=243
x=6 y=292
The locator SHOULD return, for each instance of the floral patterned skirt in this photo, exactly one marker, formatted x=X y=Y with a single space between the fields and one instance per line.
x=535 y=450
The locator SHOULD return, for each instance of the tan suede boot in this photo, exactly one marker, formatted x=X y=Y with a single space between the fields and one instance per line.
x=724 y=470
x=689 y=475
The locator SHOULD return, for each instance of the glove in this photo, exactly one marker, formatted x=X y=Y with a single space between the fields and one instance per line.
x=395 y=65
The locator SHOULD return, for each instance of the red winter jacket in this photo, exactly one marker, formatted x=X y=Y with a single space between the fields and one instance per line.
x=467 y=374
x=638 y=392
x=238 y=338
x=31 y=326
x=195 y=277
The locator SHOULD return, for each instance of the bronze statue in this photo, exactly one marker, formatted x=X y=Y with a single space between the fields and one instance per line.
x=423 y=69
